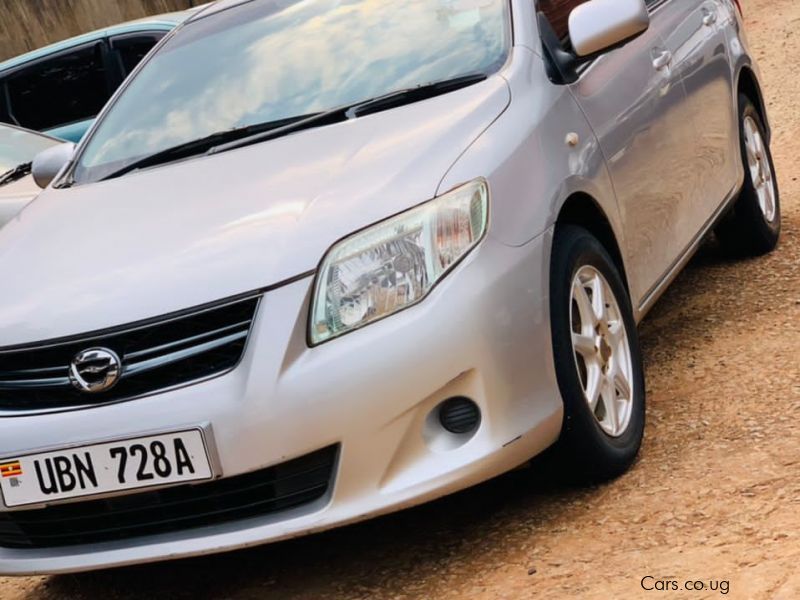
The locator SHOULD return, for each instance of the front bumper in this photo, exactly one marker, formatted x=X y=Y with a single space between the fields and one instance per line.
x=483 y=333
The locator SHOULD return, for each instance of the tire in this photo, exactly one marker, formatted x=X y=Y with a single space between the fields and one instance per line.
x=750 y=228
x=589 y=450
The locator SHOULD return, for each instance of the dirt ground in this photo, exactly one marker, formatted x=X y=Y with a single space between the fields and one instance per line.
x=715 y=496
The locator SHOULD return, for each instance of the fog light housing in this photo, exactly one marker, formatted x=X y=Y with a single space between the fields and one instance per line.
x=459 y=415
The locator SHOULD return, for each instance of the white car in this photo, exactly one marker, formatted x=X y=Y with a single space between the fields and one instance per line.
x=317 y=261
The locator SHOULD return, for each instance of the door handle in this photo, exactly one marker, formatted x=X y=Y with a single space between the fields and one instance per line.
x=709 y=17
x=662 y=61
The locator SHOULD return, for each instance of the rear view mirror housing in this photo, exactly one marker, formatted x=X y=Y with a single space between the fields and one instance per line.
x=595 y=27
x=600 y=25
x=47 y=165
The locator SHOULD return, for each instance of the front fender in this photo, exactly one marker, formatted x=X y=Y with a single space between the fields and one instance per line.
x=540 y=152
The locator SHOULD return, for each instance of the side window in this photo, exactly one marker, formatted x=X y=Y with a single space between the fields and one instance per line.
x=65 y=89
x=131 y=49
x=557 y=12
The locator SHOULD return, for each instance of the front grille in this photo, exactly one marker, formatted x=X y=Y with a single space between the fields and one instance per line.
x=157 y=355
x=288 y=485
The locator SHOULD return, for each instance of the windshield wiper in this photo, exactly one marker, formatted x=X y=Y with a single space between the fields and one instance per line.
x=353 y=111
x=16 y=173
x=195 y=147
x=253 y=134
x=414 y=94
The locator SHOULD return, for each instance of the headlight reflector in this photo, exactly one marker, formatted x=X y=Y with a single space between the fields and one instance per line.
x=395 y=264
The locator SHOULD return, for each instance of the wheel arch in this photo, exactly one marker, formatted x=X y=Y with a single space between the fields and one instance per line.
x=583 y=210
x=747 y=84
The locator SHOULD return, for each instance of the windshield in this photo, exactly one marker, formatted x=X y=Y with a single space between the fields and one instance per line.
x=18 y=146
x=268 y=60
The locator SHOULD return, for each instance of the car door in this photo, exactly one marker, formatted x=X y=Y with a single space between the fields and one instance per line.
x=636 y=104
x=696 y=39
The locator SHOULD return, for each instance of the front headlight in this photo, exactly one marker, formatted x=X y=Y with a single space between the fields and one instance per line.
x=394 y=264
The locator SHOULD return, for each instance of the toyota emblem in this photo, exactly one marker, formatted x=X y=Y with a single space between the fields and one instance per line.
x=95 y=370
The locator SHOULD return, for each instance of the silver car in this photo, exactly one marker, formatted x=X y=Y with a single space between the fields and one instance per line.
x=318 y=261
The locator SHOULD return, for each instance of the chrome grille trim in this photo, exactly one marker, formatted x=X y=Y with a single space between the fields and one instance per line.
x=166 y=359
x=51 y=382
x=187 y=340
x=27 y=371
x=157 y=355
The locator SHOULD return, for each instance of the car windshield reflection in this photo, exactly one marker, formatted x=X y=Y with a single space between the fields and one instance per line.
x=267 y=60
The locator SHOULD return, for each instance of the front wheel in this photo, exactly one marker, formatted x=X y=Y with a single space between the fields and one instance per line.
x=597 y=358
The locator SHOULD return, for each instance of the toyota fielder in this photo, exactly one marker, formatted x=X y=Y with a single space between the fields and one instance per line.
x=317 y=261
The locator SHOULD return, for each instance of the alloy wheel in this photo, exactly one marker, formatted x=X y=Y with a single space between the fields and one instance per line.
x=760 y=169
x=602 y=351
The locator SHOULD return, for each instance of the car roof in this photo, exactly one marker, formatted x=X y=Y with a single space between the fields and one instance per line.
x=164 y=22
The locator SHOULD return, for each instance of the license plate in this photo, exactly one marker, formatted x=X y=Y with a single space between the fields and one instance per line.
x=90 y=470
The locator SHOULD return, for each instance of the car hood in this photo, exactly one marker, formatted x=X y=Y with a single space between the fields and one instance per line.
x=15 y=196
x=182 y=235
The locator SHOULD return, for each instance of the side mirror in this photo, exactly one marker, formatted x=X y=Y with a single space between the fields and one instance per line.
x=49 y=163
x=600 y=25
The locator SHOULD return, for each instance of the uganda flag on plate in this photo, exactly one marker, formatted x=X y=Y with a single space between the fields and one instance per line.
x=10 y=469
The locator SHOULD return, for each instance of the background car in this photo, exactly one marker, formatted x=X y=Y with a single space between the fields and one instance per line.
x=18 y=147
x=59 y=89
